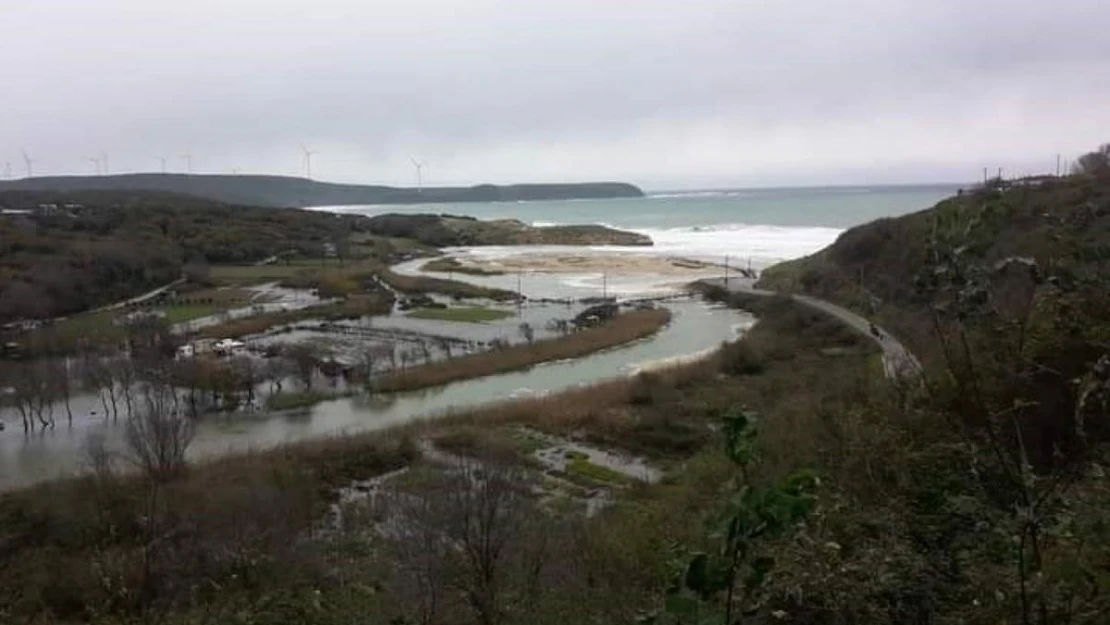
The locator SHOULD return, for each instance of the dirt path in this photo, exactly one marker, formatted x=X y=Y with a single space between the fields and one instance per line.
x=898 y=361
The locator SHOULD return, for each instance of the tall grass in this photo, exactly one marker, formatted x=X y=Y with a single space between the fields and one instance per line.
x=419 y=285
x=621 y=329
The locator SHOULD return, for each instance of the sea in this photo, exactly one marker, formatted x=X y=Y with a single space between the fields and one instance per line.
x=756 y=226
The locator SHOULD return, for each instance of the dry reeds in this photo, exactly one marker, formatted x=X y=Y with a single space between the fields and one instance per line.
x=621 y=329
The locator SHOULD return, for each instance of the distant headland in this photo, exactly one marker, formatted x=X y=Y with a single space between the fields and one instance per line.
x=261 y=190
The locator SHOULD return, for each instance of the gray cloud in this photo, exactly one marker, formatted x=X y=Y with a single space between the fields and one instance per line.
x=665 y=93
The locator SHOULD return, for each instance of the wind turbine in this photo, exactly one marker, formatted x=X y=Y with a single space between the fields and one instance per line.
x=419 y=174
x=162 y=160
x=30 y=163
x=308 y=161
x=96 y=164
x=188 y=156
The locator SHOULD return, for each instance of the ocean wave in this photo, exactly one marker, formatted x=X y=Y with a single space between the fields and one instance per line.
x=677 y=195
x=763 y=244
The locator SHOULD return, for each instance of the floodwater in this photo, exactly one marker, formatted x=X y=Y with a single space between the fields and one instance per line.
x=696 y=326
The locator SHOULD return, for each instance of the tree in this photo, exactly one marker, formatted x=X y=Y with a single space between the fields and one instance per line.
x=527 y=331
x=33 y=394
x=61 y=375
x=1094 y=163
x=99 y=378
x=305 y=358
x=247 y=374
x=158 y=434
x=472 y=534
x=197 y=271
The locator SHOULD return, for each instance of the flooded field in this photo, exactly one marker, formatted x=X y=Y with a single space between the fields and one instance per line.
x=695 y=327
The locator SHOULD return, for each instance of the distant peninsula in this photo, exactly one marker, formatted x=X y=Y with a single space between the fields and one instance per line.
x=287 y=191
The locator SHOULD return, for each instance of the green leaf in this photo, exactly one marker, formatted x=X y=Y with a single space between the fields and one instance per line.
x=680 y=605
x=697 y=575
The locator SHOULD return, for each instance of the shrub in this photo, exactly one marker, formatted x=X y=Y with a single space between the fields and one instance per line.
x=739 y=358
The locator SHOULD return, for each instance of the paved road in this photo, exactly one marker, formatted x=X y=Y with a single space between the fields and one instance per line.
x=898 y=361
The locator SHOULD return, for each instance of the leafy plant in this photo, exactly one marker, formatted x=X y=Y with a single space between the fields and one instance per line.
x=705 y=591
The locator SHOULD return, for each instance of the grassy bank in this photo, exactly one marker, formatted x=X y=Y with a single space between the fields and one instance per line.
x=446 y=264
x=423 y=285
x=466 y=314
x=621 y=329
x=300 y=399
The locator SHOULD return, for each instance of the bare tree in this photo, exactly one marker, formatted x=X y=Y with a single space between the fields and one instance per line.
x=158 y=434
x=475 y=531
x=527 y=331
x=32 y=393
x=247 y=375
x=562 y=326
x=445 y=345
x=100 y=377
x=61 y=375
x=124 y=377
x=305 y=358
x=277 y=369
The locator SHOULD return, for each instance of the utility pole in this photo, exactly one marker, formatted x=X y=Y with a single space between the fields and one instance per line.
x=605 y=286
x=726 y=271
x=519 y=294
x=1057 y=165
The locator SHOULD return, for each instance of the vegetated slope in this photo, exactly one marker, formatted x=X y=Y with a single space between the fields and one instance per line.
x=1060 y=225
x=450 y=230
x=281 y=191
x=62 y=253
x=1002 y=293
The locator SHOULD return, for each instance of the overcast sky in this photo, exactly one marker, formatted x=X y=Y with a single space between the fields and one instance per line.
x=668 y=94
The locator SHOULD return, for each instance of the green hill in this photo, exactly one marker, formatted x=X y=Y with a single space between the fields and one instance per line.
x=1059 y=225
x=282 y=191
x=1000 y=291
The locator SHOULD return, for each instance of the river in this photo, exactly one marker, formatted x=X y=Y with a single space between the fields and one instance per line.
x=28 y=459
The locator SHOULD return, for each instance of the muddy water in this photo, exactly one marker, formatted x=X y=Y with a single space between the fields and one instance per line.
x=41 y=456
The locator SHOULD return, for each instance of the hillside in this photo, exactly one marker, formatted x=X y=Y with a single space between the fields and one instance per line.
x=451 y=230
x=282 y=191
x=1062 y=226
x=1001 y=292
x=62 y=253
